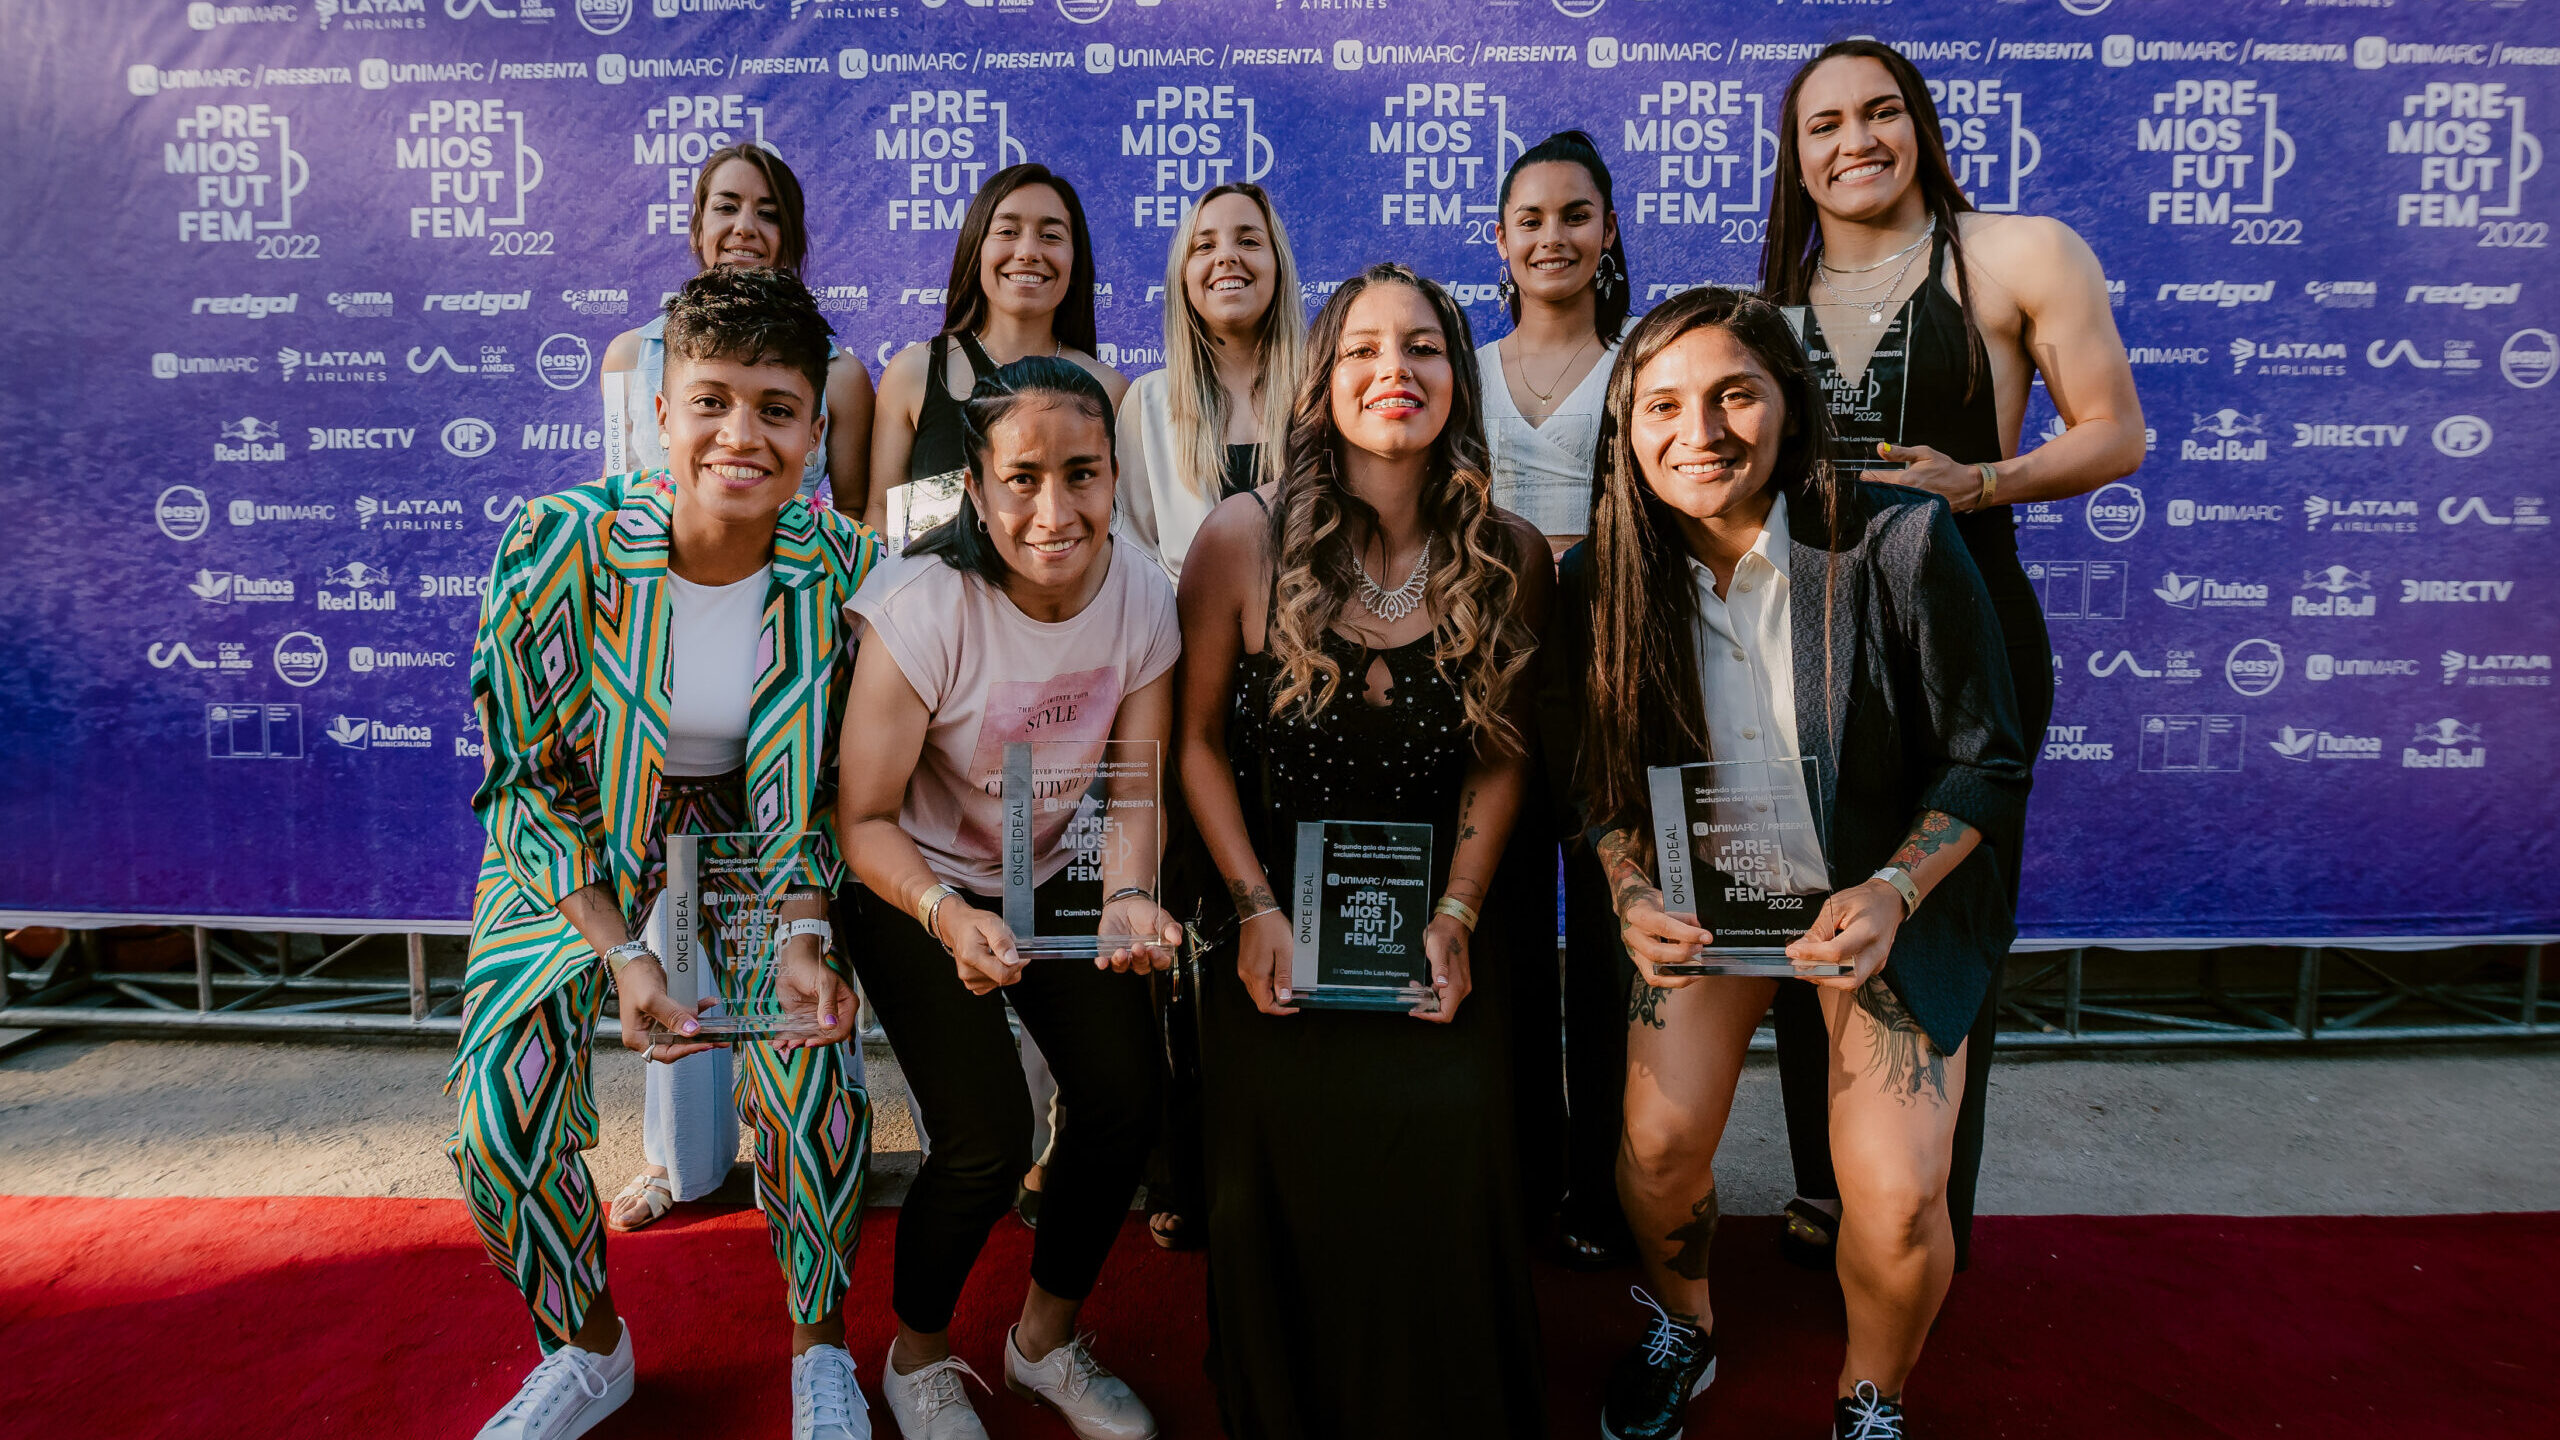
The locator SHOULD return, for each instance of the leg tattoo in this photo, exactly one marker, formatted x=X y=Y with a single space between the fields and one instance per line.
x=1644 y=1004
x=1694 y=1239
x=1903 y=1052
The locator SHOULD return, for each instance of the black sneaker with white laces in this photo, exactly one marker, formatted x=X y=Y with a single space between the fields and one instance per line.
x=1866 y=1415
x=1650 y=1389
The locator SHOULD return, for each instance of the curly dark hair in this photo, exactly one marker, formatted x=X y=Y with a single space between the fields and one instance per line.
x=1318 y=526
x=757 y=317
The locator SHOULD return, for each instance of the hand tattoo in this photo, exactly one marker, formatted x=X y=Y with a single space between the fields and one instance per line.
x=1694 y=1239
x=1250 y=899
x=1644 y=1004
x=1628 y=881
x=1904 y=1055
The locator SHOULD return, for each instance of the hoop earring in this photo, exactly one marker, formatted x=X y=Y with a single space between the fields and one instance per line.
x=1605 y=284
x=1503 y=289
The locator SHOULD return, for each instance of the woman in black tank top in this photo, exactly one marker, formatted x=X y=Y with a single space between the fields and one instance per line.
x=1021 y=284
x=1869 y=231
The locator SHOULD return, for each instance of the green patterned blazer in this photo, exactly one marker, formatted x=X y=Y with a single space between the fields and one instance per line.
x=571 y=678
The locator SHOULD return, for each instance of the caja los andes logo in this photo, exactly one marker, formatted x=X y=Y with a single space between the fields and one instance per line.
x=945 y=143
x=478 y=171
x=2225 y=153
x=1191 y=138
x=678 y=134
x=2474 y=155
x=241 y=174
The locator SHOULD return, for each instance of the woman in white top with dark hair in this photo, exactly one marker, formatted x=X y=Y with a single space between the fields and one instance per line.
x=1564 y=281
x=1194 y=432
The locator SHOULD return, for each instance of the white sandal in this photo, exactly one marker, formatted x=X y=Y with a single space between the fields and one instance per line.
x=654 y=1194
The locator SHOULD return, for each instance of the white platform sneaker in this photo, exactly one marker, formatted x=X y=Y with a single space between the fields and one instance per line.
x=932 y=1403
x=1095 y=1403
x=566 y=1394
x=826 y=1399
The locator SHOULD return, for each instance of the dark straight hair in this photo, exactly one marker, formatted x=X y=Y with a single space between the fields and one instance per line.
x=962 y=540
x=964 y=306
x=1643 y=706
x=1575 y=147
x=1794 y=245
x=793 y=253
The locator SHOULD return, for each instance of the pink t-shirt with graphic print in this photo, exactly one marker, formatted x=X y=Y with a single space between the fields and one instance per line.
x=991 y=674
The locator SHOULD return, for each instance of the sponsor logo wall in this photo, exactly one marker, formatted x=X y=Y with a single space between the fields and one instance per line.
x=359 y=264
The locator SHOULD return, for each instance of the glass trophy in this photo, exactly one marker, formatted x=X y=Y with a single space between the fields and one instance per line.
x=1101 y=801
x=1359 y=903
x=1736 y=846
x=723 y=898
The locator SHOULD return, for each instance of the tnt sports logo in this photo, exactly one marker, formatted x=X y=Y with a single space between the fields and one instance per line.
x=469 y=438
x=2462 y=436
x=2528 y=358
x=2254 y=667
x=603 y=17
x=182 y=512
x=2115 y=512
x=301 y=658
x=2446 y=744
x=563 y=362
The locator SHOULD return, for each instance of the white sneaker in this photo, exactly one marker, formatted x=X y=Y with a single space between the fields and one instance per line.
x=566 y=1394
x=826 y=1399
x=932 y=1404
x=1095 y=1403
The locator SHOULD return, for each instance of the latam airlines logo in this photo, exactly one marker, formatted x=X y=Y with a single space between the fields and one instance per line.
x=408 y=513
x=2288 y=357
x=2371 y=517
x=2464 y=668
x=2446 y=744
x=333 y=366
x=2306 y=746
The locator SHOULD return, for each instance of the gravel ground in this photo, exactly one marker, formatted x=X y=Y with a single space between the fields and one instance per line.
x=2399 y=1131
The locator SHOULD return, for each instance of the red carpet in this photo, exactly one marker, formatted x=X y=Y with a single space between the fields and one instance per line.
x=214 y=1318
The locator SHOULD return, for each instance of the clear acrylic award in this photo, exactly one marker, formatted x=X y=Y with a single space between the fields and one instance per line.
x=723 y=898
x=1735 y=844
x=1359 y=903
x=1102 y=800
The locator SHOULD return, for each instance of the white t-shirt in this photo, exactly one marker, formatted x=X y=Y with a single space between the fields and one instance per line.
x=991 y=674
x=717 y=654
x=1747 y=673
x=1542 y=472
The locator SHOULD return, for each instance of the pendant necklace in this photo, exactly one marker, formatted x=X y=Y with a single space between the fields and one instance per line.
x=1875 y=309
x=1393 y=605
x=1548 y=395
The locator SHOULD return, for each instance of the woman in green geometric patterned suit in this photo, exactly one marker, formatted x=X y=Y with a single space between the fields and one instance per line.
x=661 y=654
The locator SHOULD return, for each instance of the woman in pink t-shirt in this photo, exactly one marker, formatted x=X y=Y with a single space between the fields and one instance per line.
x=1019 y=620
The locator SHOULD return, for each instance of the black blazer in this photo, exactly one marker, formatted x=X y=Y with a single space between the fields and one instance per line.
x=1919 y=715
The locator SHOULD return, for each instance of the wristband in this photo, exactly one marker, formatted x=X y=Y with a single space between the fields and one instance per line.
x=1244 y=920
x=1126 y=891
x=1990 y=483
x=787 y=931
x=929 y=904
x=1900 y=880
x=623 y=954
x=1458 y=910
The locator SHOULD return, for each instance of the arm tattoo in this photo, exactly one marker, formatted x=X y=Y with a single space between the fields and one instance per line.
x=1904 y=1055
x=1250 y=899
x=1628 y=881
x=1695 y=1238
x=1644 y=1004
x=1466 y=826
x=1936 y=831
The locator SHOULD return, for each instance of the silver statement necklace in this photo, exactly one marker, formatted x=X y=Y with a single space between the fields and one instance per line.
x=1909 y=255
x=1393 y=605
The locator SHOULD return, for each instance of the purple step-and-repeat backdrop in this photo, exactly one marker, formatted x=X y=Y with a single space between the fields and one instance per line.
x=306 y=297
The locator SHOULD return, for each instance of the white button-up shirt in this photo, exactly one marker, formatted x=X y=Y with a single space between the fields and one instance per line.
x=1747 y=676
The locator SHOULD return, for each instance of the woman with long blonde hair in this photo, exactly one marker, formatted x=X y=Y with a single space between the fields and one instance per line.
x=1207 y=425
x=1355 y=642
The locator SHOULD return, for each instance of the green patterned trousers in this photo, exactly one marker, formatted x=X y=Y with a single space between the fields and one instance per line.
x=529 y=1115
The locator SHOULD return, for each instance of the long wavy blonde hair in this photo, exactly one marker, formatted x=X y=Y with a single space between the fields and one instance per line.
x=1319 y=525
x=1197 y=401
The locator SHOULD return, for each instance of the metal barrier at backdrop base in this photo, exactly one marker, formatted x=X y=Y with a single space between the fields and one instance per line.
x=2060 y=994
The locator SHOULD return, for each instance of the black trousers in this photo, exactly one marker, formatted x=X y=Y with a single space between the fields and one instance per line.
x=1596 y=980
x=1804 y=1042
x=965 y=1080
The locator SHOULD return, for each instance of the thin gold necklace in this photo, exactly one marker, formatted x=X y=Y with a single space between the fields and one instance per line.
x=1548 y=395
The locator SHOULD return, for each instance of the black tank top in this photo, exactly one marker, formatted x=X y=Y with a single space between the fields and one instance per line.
x=938 y=449
x=1914 y=394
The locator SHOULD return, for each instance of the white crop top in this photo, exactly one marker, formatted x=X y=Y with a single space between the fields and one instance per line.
x=717 y=628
